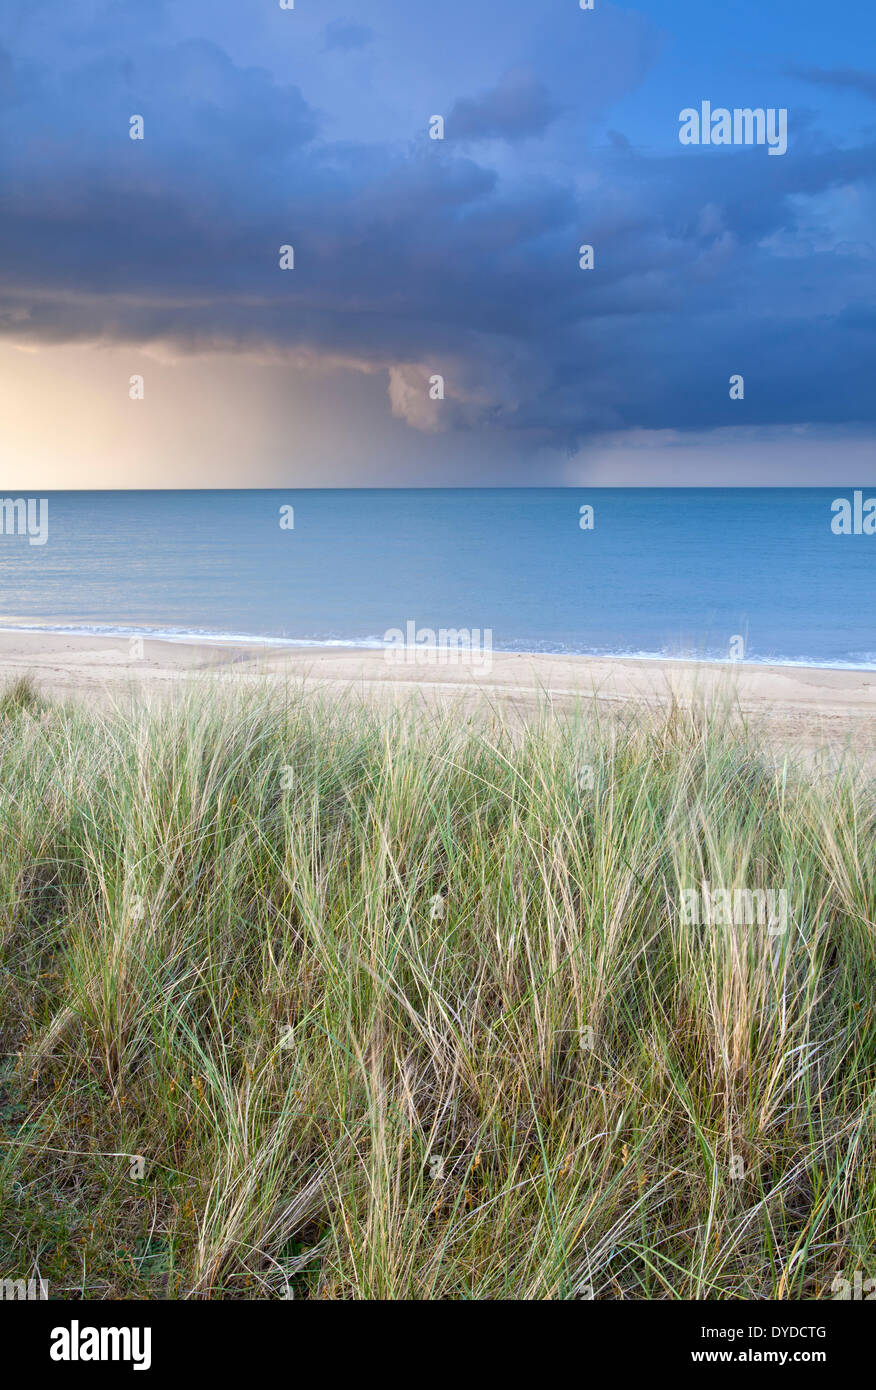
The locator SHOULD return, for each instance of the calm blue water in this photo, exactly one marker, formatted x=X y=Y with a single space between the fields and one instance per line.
x=664 y=572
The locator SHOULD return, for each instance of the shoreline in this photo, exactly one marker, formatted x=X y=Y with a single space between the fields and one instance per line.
x=799 y=708
x=258 y=642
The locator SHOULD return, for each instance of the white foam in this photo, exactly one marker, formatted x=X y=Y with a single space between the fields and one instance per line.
x=858 y=661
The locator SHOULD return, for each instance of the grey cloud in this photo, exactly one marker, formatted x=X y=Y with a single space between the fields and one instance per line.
x=841 y=79
x=345 y=35
x=517 y=108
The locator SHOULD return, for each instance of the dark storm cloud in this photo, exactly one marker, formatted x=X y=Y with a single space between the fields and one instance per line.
x=414 y=255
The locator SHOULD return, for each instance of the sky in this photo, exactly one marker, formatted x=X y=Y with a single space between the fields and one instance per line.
x=417 y=258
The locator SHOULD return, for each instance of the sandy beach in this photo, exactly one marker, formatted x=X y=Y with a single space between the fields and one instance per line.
x=803 y=708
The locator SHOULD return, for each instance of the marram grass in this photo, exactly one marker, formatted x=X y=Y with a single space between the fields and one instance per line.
x=313 y=1000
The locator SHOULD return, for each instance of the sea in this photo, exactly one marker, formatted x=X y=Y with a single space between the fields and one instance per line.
x=708 y=573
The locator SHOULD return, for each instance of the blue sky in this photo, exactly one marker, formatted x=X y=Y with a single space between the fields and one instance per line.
x=416 y=257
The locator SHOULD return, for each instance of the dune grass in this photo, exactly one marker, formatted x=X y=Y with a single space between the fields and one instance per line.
x=318 y=1001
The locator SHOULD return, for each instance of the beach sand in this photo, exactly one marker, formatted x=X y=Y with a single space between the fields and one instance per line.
x=803 y=709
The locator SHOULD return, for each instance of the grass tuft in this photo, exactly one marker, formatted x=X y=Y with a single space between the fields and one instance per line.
x=20 y=694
